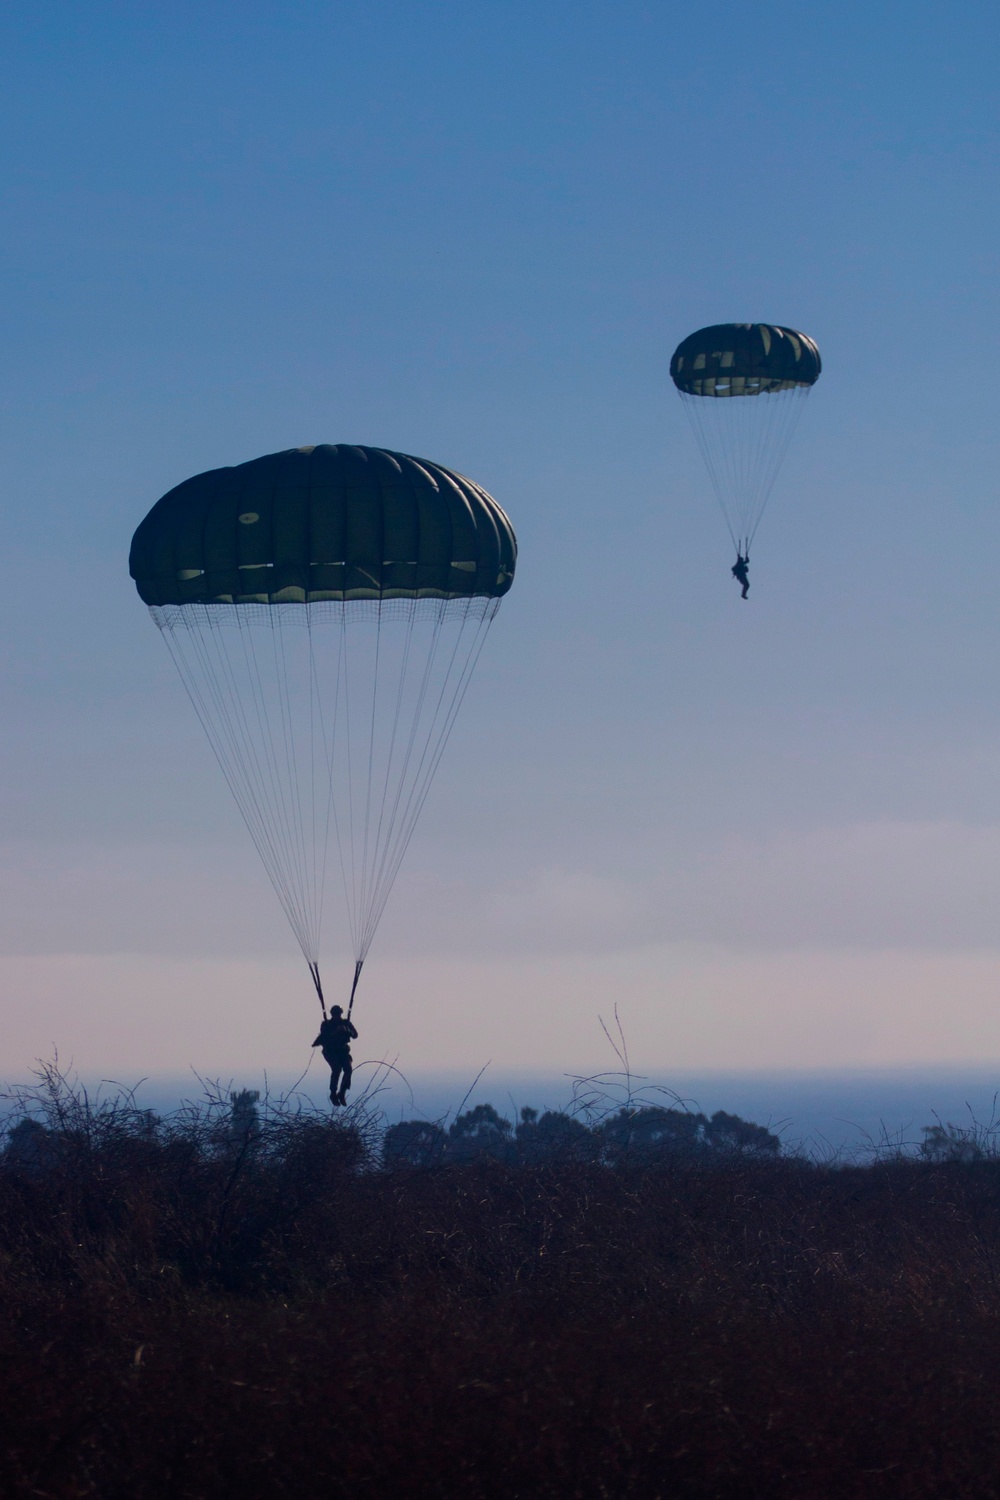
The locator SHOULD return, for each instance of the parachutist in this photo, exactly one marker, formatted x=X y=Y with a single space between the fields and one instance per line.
x=740 y=572
x=335 y=1037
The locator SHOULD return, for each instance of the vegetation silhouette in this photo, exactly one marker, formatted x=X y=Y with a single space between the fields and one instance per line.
x=253 y=1297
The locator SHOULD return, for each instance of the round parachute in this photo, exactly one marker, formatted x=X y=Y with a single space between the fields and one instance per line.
x=743 y=441
x=744 y=359
x=325 y=608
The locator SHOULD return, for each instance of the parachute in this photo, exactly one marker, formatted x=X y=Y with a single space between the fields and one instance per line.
x=743 y=441
x=326 y=607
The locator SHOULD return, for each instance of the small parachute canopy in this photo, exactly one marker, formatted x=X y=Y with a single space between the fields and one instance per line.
x=744 y=359
x=326 y=523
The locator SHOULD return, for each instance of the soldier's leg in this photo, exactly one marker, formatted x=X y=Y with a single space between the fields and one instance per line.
x=334 y=1064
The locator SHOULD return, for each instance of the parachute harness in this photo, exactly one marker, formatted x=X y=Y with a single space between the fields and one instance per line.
x=329 y=713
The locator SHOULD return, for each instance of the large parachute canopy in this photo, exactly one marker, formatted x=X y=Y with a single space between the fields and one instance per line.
x=325 y=607
x=743 y=385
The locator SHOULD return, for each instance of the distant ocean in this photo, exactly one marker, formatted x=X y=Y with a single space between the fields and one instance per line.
x=820 y=1113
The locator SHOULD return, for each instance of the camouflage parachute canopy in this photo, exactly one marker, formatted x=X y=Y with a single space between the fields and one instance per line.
x=744 y=359
x=333 y=522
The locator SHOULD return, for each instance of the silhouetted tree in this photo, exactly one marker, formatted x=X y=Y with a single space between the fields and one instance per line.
x=244 y=1119
x=654 y=1133
x=413 y=1143
x=729 y=1133
x=480 y=1132
x=651 y=1133
x=554 y=1137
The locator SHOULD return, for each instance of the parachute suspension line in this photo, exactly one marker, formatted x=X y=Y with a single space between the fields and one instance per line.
x=330 y=749
x=229 y=735
x=244 y=764
x=276 y=797
x=307 y=887
x=286 y=806
x=403 y=672
x=316 y=884
x=769 y=450
x=429 y=763
x=371 y=772
x=352 y=894
x=709 y=459
x=378 y=873
x=321 y=845
x=743 y=440
x=354 y=987
x=246 y=670
x=259 y=782
x=247 y=759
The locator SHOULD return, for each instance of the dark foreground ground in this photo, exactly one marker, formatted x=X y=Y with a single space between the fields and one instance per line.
x=189 y=1314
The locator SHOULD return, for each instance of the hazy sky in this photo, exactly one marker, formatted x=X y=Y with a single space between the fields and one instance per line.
x=475 y=232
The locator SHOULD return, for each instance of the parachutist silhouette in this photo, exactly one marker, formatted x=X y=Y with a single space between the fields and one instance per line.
x=335 y=1037
x=740 y=573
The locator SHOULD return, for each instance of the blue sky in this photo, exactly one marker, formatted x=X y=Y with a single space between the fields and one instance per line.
x=476 y=232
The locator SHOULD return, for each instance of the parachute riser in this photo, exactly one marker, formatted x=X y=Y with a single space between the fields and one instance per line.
x=314 y=971
x=354 y=987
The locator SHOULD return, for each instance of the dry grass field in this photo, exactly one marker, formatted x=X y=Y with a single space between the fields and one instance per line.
x=192 y=1310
